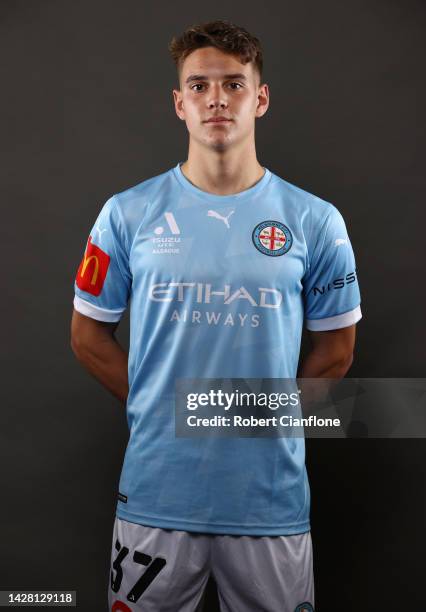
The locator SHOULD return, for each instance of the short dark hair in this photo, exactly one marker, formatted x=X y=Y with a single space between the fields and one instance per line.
x=223 y=35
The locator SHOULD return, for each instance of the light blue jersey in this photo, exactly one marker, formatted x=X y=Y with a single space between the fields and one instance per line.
x=219 y=287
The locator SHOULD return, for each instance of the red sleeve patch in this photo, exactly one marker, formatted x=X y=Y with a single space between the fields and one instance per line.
x=93 y=269
x=119 y=606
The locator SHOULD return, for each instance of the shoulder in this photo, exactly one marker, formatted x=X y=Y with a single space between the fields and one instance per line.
x=131 y=206
x=316 y=216
x=305 y=202
x=125 y=211
x=144 y=192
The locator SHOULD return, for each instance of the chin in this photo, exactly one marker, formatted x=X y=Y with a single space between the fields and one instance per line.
x=219 y=144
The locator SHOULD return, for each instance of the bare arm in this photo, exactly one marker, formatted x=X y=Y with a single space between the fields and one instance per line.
x=331 y=355
x=96 y=348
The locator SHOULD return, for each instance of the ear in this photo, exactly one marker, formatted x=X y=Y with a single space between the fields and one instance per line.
x=178 y=101
x=262 y=100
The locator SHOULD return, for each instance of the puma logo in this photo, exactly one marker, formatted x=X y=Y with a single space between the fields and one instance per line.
x=216 y=215
x=100 y=232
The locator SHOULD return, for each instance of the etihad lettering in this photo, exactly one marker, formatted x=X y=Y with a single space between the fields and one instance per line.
x=203 y=293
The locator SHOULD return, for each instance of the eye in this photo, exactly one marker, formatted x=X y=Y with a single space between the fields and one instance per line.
x=197 y=85
x=235 y=85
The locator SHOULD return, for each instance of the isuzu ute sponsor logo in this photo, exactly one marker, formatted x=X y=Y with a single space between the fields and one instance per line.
x=272 y=238
x=167 y=244
x=171 y=222
x=192 y=293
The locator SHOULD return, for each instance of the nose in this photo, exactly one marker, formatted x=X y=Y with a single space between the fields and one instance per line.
x=217 y=98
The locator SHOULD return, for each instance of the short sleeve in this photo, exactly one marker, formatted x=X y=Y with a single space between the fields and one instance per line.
x=103 y=280
x=331 y=290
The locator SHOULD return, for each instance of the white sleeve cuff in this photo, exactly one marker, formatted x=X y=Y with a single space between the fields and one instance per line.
x=95 y=312
x=337 y=322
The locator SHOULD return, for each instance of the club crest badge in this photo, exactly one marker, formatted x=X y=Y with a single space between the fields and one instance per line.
x=272 y=238
x=304 y=607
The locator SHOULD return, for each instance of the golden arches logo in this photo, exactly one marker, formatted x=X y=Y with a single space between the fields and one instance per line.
x=93 y=269
x=86 y=262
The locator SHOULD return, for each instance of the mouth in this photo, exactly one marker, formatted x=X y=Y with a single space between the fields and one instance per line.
x=218 y=120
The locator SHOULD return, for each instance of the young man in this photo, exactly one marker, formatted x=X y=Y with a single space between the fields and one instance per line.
x=223 y=261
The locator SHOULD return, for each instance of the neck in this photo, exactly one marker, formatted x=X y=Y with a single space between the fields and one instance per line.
x=222 y=172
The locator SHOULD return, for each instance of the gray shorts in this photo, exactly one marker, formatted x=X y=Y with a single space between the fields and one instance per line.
x=161 y=570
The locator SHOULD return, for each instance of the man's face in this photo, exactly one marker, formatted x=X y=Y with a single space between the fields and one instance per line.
x=219 y=98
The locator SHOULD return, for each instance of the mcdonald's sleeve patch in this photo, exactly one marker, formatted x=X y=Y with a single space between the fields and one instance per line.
x=93 y=269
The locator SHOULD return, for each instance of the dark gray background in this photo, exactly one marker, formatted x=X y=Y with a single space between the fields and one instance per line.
x=86 y=111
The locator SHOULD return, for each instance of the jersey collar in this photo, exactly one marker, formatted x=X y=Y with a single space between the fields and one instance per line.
x=213 y=197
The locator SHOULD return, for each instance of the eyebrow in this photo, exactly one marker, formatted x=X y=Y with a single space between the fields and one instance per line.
x=202 y=77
